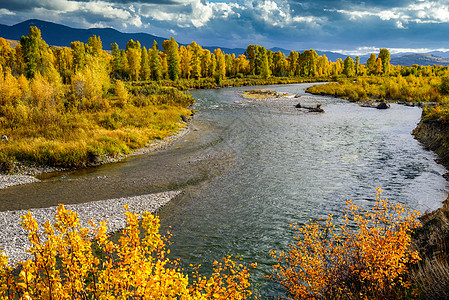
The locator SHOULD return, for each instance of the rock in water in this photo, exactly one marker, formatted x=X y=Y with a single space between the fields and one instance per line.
x=383 y=105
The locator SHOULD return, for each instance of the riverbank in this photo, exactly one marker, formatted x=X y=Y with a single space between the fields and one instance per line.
x=25 y=173
x=14 y=240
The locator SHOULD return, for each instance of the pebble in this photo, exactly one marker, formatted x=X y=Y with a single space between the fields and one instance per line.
x=13 y=238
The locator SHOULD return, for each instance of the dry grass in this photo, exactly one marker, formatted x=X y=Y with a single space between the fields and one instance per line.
x=431 y=275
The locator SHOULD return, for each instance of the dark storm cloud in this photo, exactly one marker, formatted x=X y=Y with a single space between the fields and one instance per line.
x=292 y=24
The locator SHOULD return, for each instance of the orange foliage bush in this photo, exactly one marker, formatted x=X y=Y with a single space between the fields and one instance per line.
x=366 y=257
x=67 y=264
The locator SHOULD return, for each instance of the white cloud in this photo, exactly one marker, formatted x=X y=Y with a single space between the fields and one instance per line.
x=199 y=12
x=370 y=49
x=418 y=12
x=106 y=10
x=5 y=12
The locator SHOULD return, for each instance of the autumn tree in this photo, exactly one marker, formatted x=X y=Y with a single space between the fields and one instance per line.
x=195 y=60
x=323 y=66
x=251 y=54
x=278 y=65
x=293 y=63
x=94 y=46
x=348 y=67
x=384 y=55
x=134 y=57
x=265 y=71
x=371 y=63
x=64 y=63
x=184 y=64
x=6 y=54
x=220 y=66
x=378 y=66
x=79 y=55
x=308 y=62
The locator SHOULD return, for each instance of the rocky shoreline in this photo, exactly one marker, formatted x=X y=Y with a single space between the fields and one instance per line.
x=13 y=238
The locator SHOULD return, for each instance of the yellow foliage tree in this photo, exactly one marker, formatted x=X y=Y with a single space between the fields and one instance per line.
x=67 y=264
x=364 y=258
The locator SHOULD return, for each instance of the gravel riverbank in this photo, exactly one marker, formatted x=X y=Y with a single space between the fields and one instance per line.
x=13 y=238
x=25 y=173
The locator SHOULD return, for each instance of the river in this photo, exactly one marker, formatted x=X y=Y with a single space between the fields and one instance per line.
x=250 y=168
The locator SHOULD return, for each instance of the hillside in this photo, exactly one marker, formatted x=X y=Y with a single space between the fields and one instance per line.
x=60 y=35
x=419 y=59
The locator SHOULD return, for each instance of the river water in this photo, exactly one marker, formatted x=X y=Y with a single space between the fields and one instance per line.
x=291 y=166
x=251 y=168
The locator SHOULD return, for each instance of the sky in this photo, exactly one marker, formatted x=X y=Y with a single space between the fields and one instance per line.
x=347 y=26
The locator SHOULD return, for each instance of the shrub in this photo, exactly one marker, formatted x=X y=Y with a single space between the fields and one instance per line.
x=66 y=264
x=366 y=257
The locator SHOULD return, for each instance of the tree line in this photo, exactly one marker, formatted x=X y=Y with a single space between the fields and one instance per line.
x=136 y=62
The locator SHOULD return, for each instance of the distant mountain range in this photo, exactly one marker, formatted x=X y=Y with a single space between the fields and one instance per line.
x=424 y=59
x=60 y=35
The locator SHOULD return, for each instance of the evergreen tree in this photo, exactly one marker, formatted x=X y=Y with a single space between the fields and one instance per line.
x=171 y=51
x=145 y=72
x=357 y=65
x=155 y=63
x=118 y=61
x=33 y=48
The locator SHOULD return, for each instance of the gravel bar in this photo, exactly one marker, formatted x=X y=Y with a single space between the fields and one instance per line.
x=10 y=180
x=13 y=238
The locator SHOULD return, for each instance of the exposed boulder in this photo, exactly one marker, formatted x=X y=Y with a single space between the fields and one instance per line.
x=382 y=105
